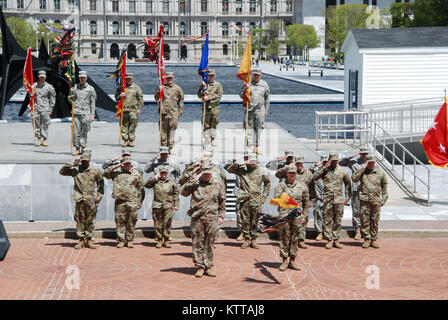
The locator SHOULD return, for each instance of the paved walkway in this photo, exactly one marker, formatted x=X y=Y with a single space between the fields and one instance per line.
x=43 y=269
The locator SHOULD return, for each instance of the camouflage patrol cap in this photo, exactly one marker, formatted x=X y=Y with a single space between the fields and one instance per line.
x=299 y=159
x=207 y=168
x=324 y=158
x=205 y=162
x=211 y=72
x=85 y=157
x=127 y=159
x=252 y=158
x=291 y=168
x=126 y=151
x=42 y=73
x=82 y=74
x=256 y=71
x=129 y=76
x=164 y=149
x=370 y=158
x=246 y=153
x=87 y=152
x=169 y=75
x=289 y=154
x=363 y=150
x=164 y=169
x=333 y=156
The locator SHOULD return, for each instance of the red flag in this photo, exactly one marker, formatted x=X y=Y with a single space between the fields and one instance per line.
x=122 y=85
x=28 y=78
x=161 y=64
x=435 y=141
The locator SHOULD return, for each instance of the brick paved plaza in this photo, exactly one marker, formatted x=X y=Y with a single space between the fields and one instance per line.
x=409 y=269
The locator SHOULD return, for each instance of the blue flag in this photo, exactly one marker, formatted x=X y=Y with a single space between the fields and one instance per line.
x=203 y=67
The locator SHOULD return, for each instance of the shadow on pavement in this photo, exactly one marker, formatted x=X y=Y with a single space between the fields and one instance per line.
x=182 y=254
x=262 y=266
x=184 y=270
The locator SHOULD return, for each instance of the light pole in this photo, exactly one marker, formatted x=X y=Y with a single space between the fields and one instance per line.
x=237 y=36
x=37 y=41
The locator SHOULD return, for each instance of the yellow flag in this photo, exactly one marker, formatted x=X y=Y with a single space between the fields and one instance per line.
x=244 y=73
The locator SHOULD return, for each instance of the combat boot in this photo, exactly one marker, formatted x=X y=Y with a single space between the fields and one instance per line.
x=257 y=151
x=240 y=237
x=319 y=236
x=120 y=244
x=246 y=243
x=292 y=265
x=329 y=244
x=45 y=144
x=199 y=273
x=358 y=234
x=302 y=244
x=90 y=244
x=76 y=152
x=253 y=244
x=81 y=244
x=131 y=143
x=374 y=244
x=159 y=244
x=366 y=243
x=130 y=244
x=213 y=142
x=210 y=272
x=284 y=265
x=38 y=142
x=337 y=244
x=167 y=244
x=125 y=143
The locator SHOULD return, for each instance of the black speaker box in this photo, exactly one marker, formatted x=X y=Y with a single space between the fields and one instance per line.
x=4 y=242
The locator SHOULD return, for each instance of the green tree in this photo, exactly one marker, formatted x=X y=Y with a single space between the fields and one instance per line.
x=301 y=36
x=267 y=39
x=23 y=31
x=402 y=14
x=430 y=13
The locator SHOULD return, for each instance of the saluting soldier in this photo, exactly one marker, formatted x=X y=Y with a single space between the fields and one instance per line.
x=128 y=190
x=207 y=212
x=281 y=162
x=336 y=180
x=85 y=196
x=125 y=152
x=44 y=101
x=318 y=205
x=170 y=108
x=373 y=195
x=133 y=105
x=258 y=109
x=162 y=159
x=84 y=111
x=165 y=202
x=212 y=99
x=355 y=163
x=290 y=232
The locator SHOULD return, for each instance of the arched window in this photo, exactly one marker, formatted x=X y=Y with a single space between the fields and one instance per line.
x=93 y=28
x=115 y=28
x=225 y=29
x=204 y=28
x=239 y=26
x=93 y=48
x=132 y=28
x=182 y=28
x=148 y=28
x=252 y=25
x=57 y=21
x=225 y=49
x=166 y=28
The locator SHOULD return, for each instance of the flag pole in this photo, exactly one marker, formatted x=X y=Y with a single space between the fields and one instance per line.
x=160 y=121
x=203 y=120
x=34 y=121
x=121 y=126
x=247 y=120
x=73 y=116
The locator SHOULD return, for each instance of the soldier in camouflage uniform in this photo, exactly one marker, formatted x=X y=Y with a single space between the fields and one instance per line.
x=318 y=205
x=125 y=152
x=211 y=98
x=128 y=189
x=255 y=188
x=133 y=105
x=258 y=109
x=166 y=201
x=85 y=177
x=281 y=162
x=171 y=108
x=305 y=176
x=160 y=159
x=44 y=101
x=289 y=233
x=335 y=179
x=373 y=195
x=207 y=212
x=355 y=163
x=84 y=111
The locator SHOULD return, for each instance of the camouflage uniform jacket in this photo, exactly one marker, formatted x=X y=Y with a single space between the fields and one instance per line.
x=128 y=186
x=318 y=185
x=153 y=166
x=297 y=190
x=133 y=100
x=45 y=97
x=373 y=185
x=173 y=101
x=214 y=92
x=252 y=182
x=85 y=100
x=85 y=180
x=166 y=193
x=355 y=166
x=207 y=198
x=305 y=176
x=334 y=181
x=259 y=96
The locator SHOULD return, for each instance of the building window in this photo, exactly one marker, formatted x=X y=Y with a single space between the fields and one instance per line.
x=115 y=28
x=148 y=28
x=366 y=2
x=166 y=28
x=93 y=28
x=204 y=28
x=115 y=6
x=341 y=2
x=225 y=6
x=19 y=4
x=132 y=28
x=93 y=48
x=239 y=6
x=4 y=4
x=92 y=5
x=166 y=6
x=252 y=25
x=252 y=6
x=182 y=28
x=239 y=25
x=57 y=5
x=57 y=21
x=288 y=5
x=131 y=6
x=225 y=49
x=225 y=29
x=42 y=4
x=273 y=6
x=148 y=6
x=374 y=3
x=204 y=5
x=182 y=6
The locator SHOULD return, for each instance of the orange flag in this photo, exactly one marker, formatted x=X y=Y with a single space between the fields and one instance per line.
x=244 y=73
x=285 y=201
x=28 y=77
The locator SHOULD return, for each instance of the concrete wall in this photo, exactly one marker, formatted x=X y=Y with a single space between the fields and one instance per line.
x=353 y=61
